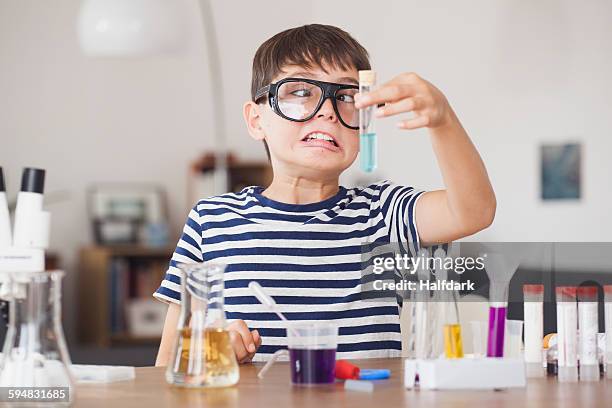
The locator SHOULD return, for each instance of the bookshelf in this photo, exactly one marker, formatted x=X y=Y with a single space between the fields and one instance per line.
x=240 y=174
x=109 y=279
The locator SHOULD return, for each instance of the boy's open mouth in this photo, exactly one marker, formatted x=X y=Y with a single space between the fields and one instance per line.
x=320 y=138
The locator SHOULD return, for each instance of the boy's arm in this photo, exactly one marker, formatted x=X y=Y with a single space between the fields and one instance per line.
x=468 y=203
x=167 y=339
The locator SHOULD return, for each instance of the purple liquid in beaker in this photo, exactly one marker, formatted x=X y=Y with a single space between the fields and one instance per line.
x=312 y=366
x=497 y=326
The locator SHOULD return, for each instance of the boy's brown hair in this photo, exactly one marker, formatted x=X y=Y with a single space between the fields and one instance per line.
x=311 y=45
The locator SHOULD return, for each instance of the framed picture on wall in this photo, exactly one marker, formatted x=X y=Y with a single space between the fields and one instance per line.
x=122 y=213
x=561 y=171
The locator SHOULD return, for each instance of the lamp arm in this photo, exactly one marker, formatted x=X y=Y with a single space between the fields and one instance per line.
x=218 y=97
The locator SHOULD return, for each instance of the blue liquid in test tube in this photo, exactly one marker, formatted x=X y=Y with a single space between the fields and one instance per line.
x=367 y=134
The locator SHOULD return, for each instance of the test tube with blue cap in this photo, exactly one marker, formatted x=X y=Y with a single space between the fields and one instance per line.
x=367 y=133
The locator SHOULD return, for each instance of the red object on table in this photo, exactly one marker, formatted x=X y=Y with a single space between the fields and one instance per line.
x=346 y=370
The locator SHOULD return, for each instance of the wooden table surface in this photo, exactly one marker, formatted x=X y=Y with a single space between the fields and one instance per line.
x=150 y=389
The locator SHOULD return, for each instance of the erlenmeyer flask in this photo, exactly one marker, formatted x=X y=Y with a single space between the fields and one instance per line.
x=202 y=355
x=35 y=352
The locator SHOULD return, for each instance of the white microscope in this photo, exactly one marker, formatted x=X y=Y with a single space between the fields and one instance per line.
x=24 y=249
x=31 y=301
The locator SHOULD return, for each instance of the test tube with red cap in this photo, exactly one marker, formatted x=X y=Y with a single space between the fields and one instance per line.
x=534 y=329
x=588 y=324
x=567 y=333
x=608 y=319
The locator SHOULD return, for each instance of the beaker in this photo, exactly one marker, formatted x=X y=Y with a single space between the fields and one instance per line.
x=312 y=352
x=35 y=353
x=202 y=355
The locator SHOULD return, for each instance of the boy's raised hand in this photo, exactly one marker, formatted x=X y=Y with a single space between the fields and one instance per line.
x=244 y=342
x=408 y=92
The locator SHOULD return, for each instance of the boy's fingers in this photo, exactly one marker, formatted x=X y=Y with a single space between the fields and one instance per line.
x=385 y=94
x=256 y=338
x=404 y=105
x=415 y=123
x=238 y=346
x=241 y=328
x=257 y=342
x=249 y=355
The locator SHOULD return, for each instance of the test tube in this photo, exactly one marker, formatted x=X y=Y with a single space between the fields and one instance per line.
x=497 y=328
x=453 y=345
x=479 y=338
x=534 y=329
x=608 y=319
x=367 y=134
x=567 y=333
x=513 y=339
x=588 y=324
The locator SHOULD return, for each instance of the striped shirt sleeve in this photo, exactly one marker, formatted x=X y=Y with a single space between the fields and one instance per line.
x=398 y=208
x=188 y=250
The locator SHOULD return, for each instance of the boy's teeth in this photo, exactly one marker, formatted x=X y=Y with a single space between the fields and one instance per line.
x=320 y=136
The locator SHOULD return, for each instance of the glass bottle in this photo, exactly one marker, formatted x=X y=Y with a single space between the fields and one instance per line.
x=202 y=354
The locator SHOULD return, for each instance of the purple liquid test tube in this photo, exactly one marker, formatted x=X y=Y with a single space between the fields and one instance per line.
x=497 y=327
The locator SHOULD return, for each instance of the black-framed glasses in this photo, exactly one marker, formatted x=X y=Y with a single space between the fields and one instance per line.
x=299 y=99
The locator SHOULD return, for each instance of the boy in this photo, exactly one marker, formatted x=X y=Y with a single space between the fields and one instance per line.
x=301 y=237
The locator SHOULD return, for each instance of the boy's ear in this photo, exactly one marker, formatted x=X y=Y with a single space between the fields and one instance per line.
x=252 y=117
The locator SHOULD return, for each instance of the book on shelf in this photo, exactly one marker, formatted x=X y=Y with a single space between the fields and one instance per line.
x=131 y=280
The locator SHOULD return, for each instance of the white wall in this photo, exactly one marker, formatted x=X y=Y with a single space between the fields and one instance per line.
x=517 y=73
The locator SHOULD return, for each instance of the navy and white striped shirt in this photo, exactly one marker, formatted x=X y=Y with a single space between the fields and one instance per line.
x=306 y=256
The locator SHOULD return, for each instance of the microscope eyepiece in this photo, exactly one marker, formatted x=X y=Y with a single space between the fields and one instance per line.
x=33 y=180
x=2 y=185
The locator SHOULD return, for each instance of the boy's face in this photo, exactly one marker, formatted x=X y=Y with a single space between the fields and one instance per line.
x=293 y=152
